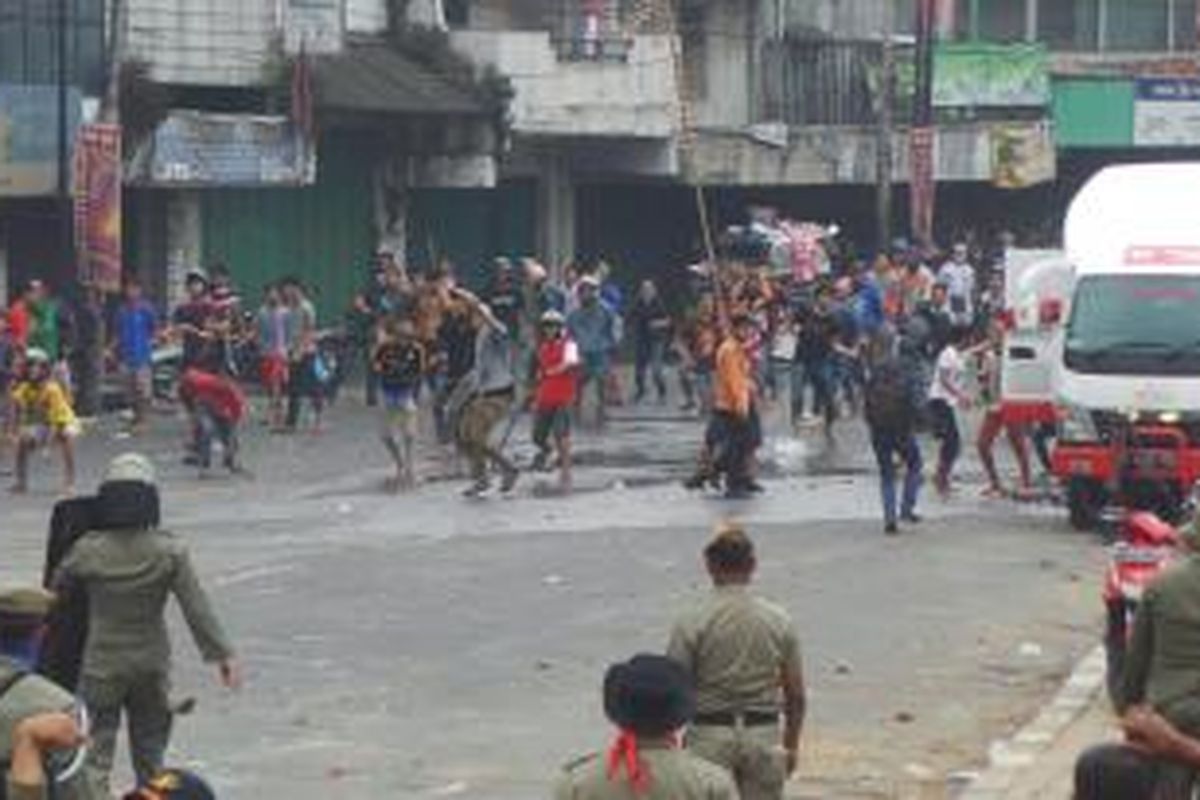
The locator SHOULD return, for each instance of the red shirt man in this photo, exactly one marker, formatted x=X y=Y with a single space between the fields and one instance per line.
x=18 y=322
x=554 y=395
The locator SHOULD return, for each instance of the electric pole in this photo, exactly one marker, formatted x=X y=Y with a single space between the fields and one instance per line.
x=886 y=128
x=66 y=212
x=922 y=137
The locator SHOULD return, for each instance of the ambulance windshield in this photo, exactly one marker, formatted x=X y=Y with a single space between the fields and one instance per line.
x=1135 y=325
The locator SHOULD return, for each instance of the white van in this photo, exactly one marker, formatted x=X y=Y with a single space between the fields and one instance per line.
x=1128 y=382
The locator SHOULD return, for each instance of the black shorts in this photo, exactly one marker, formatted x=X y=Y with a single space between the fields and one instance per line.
x=549 y=422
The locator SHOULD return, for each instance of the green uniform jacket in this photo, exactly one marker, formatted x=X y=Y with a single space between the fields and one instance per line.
x=1162 y=667
x=674 y=775
x=127 y=576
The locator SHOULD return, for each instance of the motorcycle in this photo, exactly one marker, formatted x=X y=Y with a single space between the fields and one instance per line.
x=1145 y=546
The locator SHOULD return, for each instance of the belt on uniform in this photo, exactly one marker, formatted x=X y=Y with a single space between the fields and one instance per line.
x=508 y=392
x=729 y=719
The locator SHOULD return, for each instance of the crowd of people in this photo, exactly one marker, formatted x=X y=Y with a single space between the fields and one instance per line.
x=908 y=340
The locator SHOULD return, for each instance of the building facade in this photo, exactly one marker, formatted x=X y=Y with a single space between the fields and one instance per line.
x=31 y=219
x=595 y=100
x=241 y=173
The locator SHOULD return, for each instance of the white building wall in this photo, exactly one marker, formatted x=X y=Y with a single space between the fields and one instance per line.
x=520 y=15
x=725 y=101
x=634 y=98
x=366 y=16
x=209 y=42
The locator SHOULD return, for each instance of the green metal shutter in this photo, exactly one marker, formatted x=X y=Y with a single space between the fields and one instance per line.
x=322 y=234
x=472 y=226
x=1091 y=112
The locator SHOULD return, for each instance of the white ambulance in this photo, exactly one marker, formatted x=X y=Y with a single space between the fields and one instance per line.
x=1127 y=384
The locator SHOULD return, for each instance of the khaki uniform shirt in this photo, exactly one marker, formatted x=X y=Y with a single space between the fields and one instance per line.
x=1162 y=667
x=674 y=775
x=737 y=647
x=28 y=697
x=18 y=792
x=127 y=576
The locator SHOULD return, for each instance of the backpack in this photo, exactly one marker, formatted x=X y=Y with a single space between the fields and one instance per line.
x=889 y=401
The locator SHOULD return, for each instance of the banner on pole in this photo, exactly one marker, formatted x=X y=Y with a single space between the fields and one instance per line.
x=922 y=187
x=98 y=205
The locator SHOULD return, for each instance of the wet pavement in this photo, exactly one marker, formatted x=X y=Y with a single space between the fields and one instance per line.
x=427 y=646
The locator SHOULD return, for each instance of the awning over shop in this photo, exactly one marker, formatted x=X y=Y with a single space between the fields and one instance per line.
x=374 y=78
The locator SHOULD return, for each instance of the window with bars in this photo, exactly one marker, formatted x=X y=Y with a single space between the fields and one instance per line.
x=1069 y=24
x=991 y=20
x=29 y=42
x=594 y=30
x=1082 y=25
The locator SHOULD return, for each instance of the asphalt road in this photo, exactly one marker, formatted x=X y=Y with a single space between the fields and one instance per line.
x=426 y=646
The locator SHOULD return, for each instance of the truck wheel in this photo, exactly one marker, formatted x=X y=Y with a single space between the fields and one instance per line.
x=1084 y=504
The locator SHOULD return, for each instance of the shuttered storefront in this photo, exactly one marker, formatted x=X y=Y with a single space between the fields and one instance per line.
x=322 y=234
x=472 y=226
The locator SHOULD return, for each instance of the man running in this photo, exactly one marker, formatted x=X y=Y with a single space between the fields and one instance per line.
x=554 y=395
x=489 y=391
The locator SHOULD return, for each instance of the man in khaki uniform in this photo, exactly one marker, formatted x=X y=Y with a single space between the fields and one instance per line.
x=34 y=743
x=1162 y=666
x=649 y=699
x=744 y=656
x=128 y=568
x=40 y=730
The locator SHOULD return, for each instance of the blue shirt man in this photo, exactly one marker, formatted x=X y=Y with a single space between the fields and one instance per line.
x=137 y=322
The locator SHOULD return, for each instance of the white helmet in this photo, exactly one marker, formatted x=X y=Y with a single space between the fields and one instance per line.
x=36 y=355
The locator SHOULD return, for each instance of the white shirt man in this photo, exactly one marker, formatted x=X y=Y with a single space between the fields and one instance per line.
x=958 y=276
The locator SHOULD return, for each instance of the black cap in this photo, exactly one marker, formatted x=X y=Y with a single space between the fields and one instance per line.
x=649 y=695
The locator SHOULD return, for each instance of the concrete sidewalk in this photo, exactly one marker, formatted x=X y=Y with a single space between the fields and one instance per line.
x=1050 y=777
x=1038 y=762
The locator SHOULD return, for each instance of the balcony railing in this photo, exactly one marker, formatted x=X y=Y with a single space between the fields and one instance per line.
x=581 y=47
x=826 y=82
x=581 y=30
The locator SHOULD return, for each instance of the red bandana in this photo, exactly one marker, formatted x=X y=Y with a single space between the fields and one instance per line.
x=625 y=753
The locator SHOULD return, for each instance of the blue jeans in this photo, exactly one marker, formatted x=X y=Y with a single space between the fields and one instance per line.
x=847 y=377
x=816 y=374
x=888 y=445
x=210 y=427
x=696 y=382
x=650 y=352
